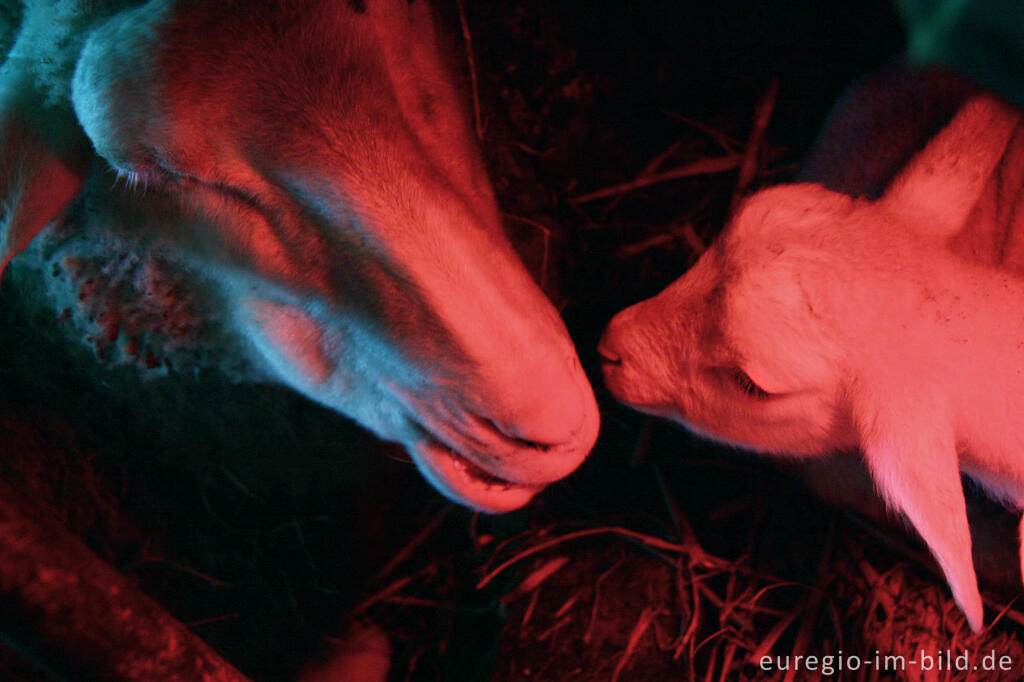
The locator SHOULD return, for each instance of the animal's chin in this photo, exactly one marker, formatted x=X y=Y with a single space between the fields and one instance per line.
x=663 y=410
x=467 y=483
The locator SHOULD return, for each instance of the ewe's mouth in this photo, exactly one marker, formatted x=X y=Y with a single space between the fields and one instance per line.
x=466 y=482
x=487 y=464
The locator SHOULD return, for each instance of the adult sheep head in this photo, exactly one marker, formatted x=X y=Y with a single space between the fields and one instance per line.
x=310 y=163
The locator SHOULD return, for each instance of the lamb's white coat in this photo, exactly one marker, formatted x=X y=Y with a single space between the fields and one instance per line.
x=821 y=323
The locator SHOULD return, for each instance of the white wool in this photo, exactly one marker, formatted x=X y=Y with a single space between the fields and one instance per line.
x=820 y=324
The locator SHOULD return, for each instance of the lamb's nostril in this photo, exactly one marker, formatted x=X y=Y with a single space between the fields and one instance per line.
x=608 y=356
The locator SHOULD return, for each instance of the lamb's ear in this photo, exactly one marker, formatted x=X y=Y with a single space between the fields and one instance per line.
x=910 y=450
x=940 y=186
x=44 y=158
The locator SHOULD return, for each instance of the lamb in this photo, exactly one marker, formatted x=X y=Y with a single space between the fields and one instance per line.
x=823 y=323
x=288 y=191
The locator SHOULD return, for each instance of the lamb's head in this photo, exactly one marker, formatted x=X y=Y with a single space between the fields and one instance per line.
x=805 y=331
x=744 y=347
x=819 y=322
x=763 y=341
x=312 y=161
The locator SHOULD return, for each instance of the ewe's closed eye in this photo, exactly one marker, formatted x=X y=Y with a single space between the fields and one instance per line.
x=135 y=179
x=743 y=381
x=148 y=176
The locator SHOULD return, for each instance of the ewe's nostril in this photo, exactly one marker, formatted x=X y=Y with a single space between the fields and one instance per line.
x=510 y=434
x=542 y=404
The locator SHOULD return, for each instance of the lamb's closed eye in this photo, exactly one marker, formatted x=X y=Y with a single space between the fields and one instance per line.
x=746 y=384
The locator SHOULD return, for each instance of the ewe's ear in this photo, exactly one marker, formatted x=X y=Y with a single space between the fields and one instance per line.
x=113 y=88
x=910 y=449
x=940 y=186
x=43 y=161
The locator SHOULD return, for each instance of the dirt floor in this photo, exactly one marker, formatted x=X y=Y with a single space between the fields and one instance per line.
x=614 y=133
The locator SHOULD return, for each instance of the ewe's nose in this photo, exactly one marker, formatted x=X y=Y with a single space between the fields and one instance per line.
x=551 y=407
x=547 y=408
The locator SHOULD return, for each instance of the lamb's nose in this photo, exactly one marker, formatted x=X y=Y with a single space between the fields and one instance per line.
x=607 y=354
x=614 y=346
